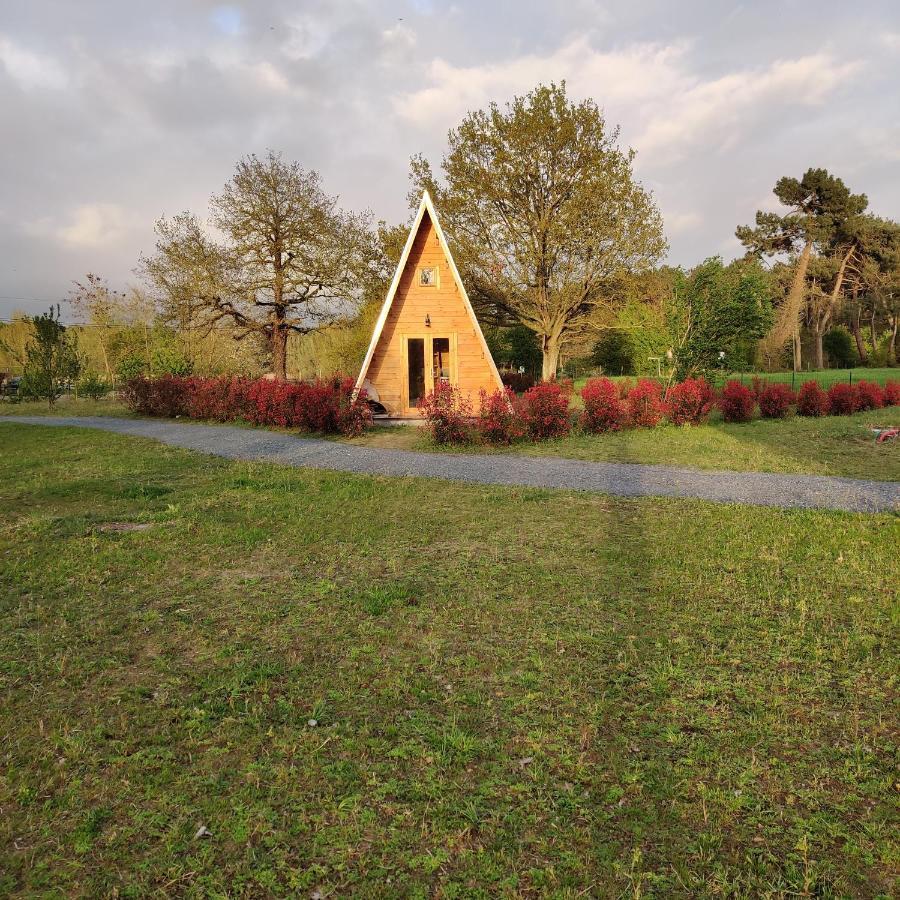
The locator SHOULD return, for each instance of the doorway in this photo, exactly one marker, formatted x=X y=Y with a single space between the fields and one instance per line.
x=428 y=361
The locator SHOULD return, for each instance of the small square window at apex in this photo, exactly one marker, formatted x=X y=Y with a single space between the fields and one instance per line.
x=428 y=276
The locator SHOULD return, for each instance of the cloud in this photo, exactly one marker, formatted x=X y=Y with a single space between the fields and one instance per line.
x=721 y=110
x=679 y=222
x=30 y=69
x=639 y=73
x=664 y=106
x=90 y=225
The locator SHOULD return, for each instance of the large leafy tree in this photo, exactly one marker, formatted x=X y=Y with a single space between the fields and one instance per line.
x=543 y=213
x=289 y=261
x=861 y=256
x=818 y=206
x=714 y=310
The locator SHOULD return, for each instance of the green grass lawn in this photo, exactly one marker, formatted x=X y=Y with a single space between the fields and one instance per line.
x=825 y=377
x=66 y=406
x=515 y=691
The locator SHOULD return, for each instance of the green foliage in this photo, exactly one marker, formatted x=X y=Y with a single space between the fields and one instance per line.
x=838 y=344
x=51 y=358
x=514 y=346
x=716 y=309
x=93 y=387
x=614 y=353
x=169 y=361
x=132 y=366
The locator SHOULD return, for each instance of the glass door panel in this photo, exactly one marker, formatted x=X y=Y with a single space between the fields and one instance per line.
x=415 y=370
x=440 y=360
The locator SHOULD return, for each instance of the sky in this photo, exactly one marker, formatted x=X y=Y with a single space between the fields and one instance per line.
x=113 y=114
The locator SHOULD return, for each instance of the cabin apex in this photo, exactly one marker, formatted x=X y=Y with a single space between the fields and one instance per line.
x=426 y=332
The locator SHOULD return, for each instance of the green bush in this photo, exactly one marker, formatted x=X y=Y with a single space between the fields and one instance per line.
x=838 y=344
x=93 y=387
x=132 y=366
x=168 y=361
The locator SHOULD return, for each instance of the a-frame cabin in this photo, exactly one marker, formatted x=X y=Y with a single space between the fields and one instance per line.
x=426 y=331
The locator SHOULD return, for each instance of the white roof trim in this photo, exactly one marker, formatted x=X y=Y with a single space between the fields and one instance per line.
x=425 y=205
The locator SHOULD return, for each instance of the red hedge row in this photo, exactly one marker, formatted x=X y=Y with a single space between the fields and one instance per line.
x=543 y=411
x=323 y=405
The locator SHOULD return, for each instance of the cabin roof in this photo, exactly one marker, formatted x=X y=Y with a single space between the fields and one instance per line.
x=425 y=205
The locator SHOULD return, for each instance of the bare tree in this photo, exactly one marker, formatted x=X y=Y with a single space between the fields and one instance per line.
x=290 y=261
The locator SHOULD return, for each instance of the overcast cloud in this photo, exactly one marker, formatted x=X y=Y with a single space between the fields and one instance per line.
x=115 y=113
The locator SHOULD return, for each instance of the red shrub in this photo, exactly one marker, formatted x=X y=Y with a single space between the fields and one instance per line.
x=136 y=395
x=222 y=399
x=843 y=399
x=603 y=407
x=775 y=401
x=690 y=402
x=163 y=396
x=644 y=402
x=736 y=402
x=892 y=393
x=868 y=395
x=324 y=406
x=447 y=414
x=545 y=411
x=812 y=400
x=498 y=420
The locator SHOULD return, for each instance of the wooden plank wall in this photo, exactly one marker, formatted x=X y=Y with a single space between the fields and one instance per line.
x=444 y=305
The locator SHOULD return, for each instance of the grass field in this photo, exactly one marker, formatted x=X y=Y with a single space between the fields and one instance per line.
x=365 y=686
x=825 y=377
x=836 y=445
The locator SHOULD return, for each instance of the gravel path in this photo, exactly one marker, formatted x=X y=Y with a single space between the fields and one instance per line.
x=621 y=479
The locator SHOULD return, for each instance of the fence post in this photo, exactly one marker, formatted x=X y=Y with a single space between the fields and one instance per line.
x=851 y=378
x=793 y=377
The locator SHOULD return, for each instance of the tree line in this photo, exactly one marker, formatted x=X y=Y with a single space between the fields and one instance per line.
x=558 y=243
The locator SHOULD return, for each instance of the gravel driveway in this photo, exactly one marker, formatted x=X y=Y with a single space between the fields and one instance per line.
x=620 y=479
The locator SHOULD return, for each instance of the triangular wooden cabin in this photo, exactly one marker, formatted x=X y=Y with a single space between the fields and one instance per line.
x=426 y=332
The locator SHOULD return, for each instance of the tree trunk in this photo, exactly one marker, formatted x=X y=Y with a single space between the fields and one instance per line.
x=550 y=346
x=820 y=349
x=787 y=325
x=279 y=350
x=857 y=335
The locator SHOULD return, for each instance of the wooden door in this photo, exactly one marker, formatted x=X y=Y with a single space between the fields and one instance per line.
x=428 y=359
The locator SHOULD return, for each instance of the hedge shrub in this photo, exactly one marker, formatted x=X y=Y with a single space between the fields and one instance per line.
x=545 y=411
x=843 y=399
x=447 y=414
x=775 y=401
x=736 y=402
x=603 y=406
x=868 y=395
x=498 y=420
x=644 y=403
x=812 y=400
x=689 y=402
x=323 y=405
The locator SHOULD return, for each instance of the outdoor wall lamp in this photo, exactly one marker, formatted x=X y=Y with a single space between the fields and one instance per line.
x=427 y=321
